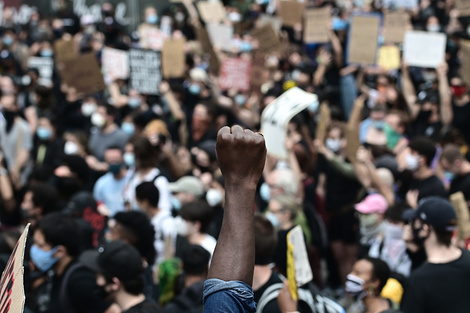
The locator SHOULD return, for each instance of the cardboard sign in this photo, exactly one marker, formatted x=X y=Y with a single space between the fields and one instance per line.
x=395 y=26
x=211 y=11
x=258 y=71
x=291 y=12
x=83 y=73
x=173 y=58
x=352 y=131
x=220 y=35
x=463 y=218
x=315 y=25
x=274 y=21
x=146 y=74
x=299 y=271
x=235 y=74
x=268 y=41
x=45 y=66
x=203 y=38
x=463 y=6
x=324 y=121
x=424 y=49
x=389 y=57
x=151 y=38
x=115 y=63
x=277 y=115
x=465 y=48
x=12 y=296
x=400 y=4
x=362 y=47
x=64 y=50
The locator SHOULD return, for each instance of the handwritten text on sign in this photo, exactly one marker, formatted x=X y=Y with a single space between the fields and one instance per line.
x=235 y=73
x=146 y=72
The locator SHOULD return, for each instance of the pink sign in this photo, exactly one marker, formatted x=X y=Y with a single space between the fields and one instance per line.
x=235 y=74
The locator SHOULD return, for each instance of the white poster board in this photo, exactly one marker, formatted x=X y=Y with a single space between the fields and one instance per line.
x=400 y=4
x=45 y=67
x=424 y=49
x=220 y=35
x=303 y=271
x=277 y=115
x=115 y=63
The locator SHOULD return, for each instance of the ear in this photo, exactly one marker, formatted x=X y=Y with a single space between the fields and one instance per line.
x=427 y=229
x=116 y=284
x=197 y=225
x=61 y=252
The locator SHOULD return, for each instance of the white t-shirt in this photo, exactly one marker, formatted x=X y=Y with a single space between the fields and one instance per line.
x=209 y=243
x=164 y=225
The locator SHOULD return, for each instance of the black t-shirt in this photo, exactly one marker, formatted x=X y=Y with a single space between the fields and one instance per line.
x=461 y=183
x=437 y=288
x=145 y=306
x=430 y=186
x=460 y=120
x=272 y=306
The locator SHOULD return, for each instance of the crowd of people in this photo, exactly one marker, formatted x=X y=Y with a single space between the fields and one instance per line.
x=135 y=201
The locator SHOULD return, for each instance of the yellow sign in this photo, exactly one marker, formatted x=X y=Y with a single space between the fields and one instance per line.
x=389 y=57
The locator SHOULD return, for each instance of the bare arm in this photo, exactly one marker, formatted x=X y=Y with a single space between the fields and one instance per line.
x=119 y=99
x=6 y=189
x=241 y=155
x=445 y=93
x=337 y=48
x=409 y=92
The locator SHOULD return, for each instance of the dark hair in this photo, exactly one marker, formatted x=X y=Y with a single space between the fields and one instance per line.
x=60 y=229
x=114 y=147
x=198 y=211
x=380 y=271
x=395 y=213
x=451 y=153
x=148 y=191
x=443 y=237
x=196 y=260
x=265 y=240
x=134 y=286
x=139 y=232
x=44 y=196
x=77 y=166
x=145 y=154
x=110 y=110
x=424 y=147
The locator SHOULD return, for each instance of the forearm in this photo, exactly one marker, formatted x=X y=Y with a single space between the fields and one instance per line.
x=337 y=49
x=362 y=174
x=176 y=168
x=119 y=99
x=410 y=94
x=319 y=74
x=346 y=169
x=446 y=100
x=21 y=160
x=175 y=107
x=384 y=189
x=6 y=191
x=294 y=166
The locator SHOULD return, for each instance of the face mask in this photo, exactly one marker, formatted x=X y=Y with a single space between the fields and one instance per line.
x=265 y=192
x=433 y=28
x=43 y=259
x=134 y=102
x=379 y=125
x=393 y=231
x=412 y=162
x=179 y=17
x=175 y=203
x=246 y=46
x=46 y=53
x=416 y=238
x=459 y=91
x=273 y=219
x=115 y=168
x=194 y=89
x=181 y=226
x=98 y=120
x=449 y=176
x=429 y=76
x=313 y=107
x=88 y=108
x=354 y=285
x=240 y=100
x=368 y=220
x=333 y=144
x=392 y=136
x=7 y=40
x=235 y=17
x=70 y=148
x=58 y=33
x=9 y=116
x=91 y=29
x=295 y=75
x=213 y=197
x=43 y=133
x=152 y=19
x=129 y=159
x=128 y=128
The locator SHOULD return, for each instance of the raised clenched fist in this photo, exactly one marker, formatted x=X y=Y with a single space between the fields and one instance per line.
x=241 y=155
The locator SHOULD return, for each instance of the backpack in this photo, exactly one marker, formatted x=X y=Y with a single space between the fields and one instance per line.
x=311 y=297
x=64 y=298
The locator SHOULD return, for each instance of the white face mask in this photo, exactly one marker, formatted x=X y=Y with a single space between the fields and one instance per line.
x=433 y=28
x=213 y=197
x=235 y=17
x=181 y=226
x=333 y=144
x=88 y=108
x=354 y=285
x=98 y=120
x=412 y=162
x=368 y=220
x=393 y=231
x=70 y=148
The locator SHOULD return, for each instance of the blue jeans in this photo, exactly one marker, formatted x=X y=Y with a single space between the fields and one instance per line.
x=231 y=297
x=348 y=94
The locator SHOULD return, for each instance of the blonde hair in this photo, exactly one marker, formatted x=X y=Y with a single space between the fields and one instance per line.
x=156 y=126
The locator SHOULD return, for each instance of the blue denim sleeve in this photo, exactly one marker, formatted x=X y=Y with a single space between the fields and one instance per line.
x=231 y=297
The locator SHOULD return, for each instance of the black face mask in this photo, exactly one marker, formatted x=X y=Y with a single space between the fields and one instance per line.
x=9 y=118
x=424 y=115
x=66 y=186
x=101 y=293
x=416 y=238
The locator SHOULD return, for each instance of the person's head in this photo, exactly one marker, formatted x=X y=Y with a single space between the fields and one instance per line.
x=196 y=261
x=371 y=210
x=421 y=155
x=107 y=9
x=135 y=228
x=265 y=240
x=283 y=210
x=434 y=222
x=113 y=156
x=335 y=139
x=281 y=181
x=146 y=156
x=75 y=143
x=9 y=37
x=118 y=267
x=56 y=241
x=368 y=276
x=39 y=200
x=46 y=130
x=187 y=189
x=197 y=216
x=452 y=159
x=103 y=116
x=89 y=106
x=147 y=196
x=156 y=132
x=432 y=24
x=150 y=15
x=202 y=116
x=397 y=121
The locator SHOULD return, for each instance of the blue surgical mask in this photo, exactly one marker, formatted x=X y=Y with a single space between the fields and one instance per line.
x=43 y=133
x=46 y=53
x=44 y=260
x=128 y=128
x=265 y=192
x=129 y=159
x=273 y=219
x=449 y=176
x=152 y=19
x=133 y=102
x=240 y=100
x=379 y=125
x=246 y=46
x=115 y=168
x=7 y=40
x=194 y=89
x=175 y=203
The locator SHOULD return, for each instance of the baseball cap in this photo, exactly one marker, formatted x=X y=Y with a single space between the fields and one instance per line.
x=114 y=259
x=189 y=184
x=437 y=212
x=375 y=203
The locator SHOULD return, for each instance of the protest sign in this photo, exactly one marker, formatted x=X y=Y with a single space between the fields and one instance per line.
x=145 y=71
x=235 y=73
x=173 y=58
x=463 y=6
x=211 y=11
x=299 y=271
x=268 y=41
x=395 y=26
x=424 y=49
x=400 y=4
x=316 y=25
x=203 y=38
x=257 y=71
x=12 y=296
x=115 y=63
x=291 y=12
x=277 y=115
x=151 y=38
x=463 y=218
x=389 y=57
x=362 y=47
x=45 y=66
x=220 y=35
x=83 y=73
x=323 y=122
x=465 y=49
x=352 y=130
x=64 y=50
x=274 y=21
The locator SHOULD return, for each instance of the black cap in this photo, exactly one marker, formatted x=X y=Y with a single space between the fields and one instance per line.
x=114 y=259
x=437 y=212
